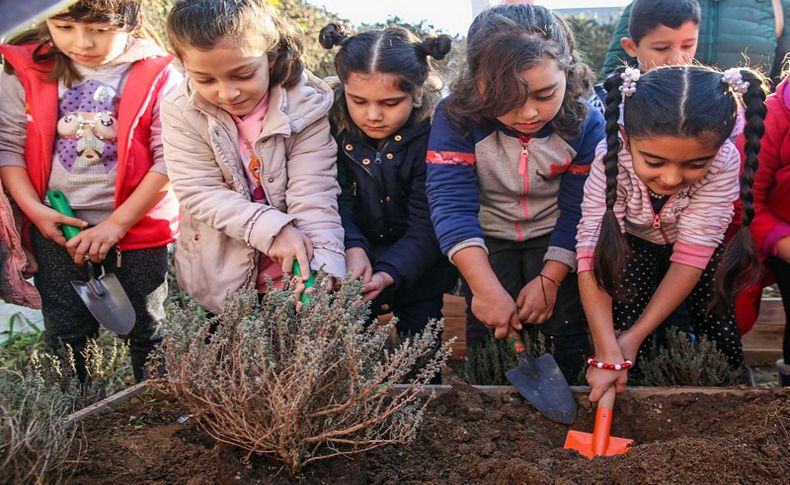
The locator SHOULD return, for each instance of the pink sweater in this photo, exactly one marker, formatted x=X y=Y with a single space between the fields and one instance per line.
x=694 y=220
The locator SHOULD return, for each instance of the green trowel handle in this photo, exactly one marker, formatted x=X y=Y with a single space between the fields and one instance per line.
x=60 y=204
x=514 y=340
x=307 y=284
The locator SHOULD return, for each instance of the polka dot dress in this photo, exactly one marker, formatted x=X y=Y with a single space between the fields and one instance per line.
x=644 y=271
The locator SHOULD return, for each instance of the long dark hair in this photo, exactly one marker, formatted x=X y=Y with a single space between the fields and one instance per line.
x=123 y=15
x=502 y=42
x=203 y=24
x=682 y=101
x=393 y=50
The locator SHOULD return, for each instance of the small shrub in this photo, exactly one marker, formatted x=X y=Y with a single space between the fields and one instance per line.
x=685 y=363
x=303 y=386
x=35 y=443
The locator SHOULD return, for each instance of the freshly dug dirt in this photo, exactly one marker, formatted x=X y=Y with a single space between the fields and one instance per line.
x=469 y=437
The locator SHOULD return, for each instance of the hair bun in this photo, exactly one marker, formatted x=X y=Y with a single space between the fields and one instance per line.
x=436 y=46
x=332 y=35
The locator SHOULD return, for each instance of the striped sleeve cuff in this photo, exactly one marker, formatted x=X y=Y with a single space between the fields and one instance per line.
x=562 y=255
x=475 y=241
x=692 y=255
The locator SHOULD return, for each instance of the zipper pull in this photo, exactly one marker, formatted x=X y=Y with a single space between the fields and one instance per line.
x=117 y=257
x=656 y=222
x=523 y=159
x=378 y=158
x=354 y=188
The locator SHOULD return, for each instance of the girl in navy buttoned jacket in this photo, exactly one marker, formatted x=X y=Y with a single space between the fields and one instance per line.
x=381 y=119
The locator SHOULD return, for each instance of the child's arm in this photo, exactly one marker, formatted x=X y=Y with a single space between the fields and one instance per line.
x=312 y=193
x=97 y=241
x=491 y=303
x=17 y=181
x=598 y=309
x=201 y=188
x=767 y=229
x=453 y=198
x=537 y=298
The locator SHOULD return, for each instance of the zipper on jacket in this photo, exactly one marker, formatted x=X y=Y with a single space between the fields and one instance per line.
x=657 y=217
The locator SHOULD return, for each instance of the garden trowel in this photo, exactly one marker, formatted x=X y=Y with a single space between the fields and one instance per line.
x=307 y=284
x=600 y=442
x=103 y=295
x=540 y=381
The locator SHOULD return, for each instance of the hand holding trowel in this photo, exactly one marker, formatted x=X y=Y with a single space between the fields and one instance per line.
x=103 y=295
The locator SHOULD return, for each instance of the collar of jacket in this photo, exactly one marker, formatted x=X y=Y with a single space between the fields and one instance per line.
x=397 y=140
x=290 y=110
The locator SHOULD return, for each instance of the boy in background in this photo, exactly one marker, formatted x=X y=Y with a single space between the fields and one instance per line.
x=661 y=33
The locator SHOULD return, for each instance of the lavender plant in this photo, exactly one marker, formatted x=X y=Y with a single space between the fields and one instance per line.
x=299 y=386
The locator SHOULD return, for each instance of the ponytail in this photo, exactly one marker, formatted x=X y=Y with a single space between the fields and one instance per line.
x=612 y=251
x=739 y=266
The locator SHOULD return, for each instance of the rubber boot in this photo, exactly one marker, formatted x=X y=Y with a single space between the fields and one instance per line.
x=784 y=373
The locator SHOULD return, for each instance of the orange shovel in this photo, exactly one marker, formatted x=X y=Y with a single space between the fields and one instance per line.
x=599 y=443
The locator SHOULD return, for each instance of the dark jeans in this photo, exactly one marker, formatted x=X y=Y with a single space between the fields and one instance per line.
x=643 y=273
x=781 y=271
x=67 y=321
x=516 y=264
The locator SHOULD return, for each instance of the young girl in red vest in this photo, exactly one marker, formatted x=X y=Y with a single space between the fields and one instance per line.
x=80 y=114
x=771 y=225
x=249 y=152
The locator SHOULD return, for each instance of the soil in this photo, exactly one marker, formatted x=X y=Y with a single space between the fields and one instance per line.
x=469 y=437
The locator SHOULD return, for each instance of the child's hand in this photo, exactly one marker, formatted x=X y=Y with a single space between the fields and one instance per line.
x=602 y=379
x=358 y=264
x=783 y=249
x=48 y=221
x=497 y=310
x=376 y=285
x=536 y=300
x=96 y=242
x=292 y=244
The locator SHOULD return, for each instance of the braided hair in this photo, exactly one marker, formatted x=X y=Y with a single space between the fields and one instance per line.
x=393 y=50
x=693 y=102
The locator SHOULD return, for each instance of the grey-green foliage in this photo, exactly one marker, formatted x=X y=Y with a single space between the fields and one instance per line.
x=486 y=364
x=35 y=443
x=685 y=363
x=301 y=386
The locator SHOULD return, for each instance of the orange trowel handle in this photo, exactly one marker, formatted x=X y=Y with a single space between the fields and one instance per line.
x=603 y=421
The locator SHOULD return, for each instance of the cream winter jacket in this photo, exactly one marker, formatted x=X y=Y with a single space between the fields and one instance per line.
x=222 y=230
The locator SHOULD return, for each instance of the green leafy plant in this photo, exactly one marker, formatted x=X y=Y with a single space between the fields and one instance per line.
x=299 y=386
x=683 y=362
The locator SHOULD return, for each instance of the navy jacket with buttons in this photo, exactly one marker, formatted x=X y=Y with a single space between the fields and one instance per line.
x=383 y=205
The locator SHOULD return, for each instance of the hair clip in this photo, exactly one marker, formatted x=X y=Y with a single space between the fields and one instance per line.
x=734 y=78
x=629 y=77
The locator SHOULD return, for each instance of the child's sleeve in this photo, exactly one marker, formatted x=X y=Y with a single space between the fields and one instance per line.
x=593 y=208
x=201 y=188
x=354 y=237
x=766 y=228
x=312 y=192
x=451 y=186
x=171 y=81
x=417 y=250
x=13 y=121
x=701 y=227
x=562 y=243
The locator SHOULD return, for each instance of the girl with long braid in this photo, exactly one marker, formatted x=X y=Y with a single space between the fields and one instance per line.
x=656 y=207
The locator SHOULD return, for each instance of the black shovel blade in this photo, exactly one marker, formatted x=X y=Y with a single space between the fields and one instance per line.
x=108 y=303
x=540 y=381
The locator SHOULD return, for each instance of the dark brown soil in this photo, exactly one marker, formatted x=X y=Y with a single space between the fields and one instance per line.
x=469 y=437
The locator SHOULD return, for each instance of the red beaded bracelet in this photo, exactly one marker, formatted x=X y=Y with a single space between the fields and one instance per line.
x=627 y=364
